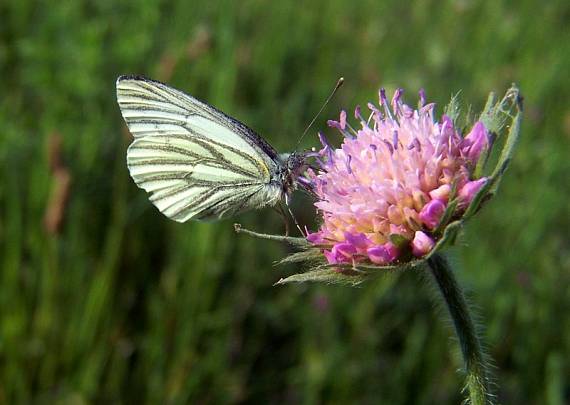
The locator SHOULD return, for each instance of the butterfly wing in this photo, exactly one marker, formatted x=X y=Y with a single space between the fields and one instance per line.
x=195 y=161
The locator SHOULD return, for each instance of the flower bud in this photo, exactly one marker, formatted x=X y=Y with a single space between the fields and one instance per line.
x=431 y=213
x=470 y=189
x=441 y=193
x=345 y=250
x=359 y=240
x=475 y=142
x=382 y=254
x=315 y=238
x=422 y=244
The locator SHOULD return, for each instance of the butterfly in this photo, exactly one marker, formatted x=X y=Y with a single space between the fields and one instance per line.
x=197 y=162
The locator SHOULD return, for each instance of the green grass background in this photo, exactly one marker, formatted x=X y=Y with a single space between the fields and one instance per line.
x=121 y=305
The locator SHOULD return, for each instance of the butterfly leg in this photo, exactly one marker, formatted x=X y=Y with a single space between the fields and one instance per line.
x=293 y=216
x=281 y=211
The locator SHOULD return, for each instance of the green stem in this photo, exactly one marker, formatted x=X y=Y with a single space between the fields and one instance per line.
x=477 y=381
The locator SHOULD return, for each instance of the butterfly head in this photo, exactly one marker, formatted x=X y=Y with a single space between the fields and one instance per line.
x=294 y=164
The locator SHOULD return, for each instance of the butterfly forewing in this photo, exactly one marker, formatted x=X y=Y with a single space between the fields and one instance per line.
x=195 y=161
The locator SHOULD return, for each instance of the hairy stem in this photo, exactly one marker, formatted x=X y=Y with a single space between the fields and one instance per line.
x=477 y=381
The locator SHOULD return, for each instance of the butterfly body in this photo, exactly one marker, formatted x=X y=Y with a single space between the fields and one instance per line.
x=195 y=161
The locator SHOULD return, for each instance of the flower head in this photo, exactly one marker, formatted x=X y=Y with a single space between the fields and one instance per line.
x=383 y=194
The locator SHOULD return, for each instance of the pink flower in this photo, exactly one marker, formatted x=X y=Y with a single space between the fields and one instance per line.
x=391 y=176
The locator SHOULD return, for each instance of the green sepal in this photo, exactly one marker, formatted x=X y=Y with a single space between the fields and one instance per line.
x=376 y=269
x=449 y=237
x=325 y=274
x=511 y=141
x=452 y=109
x=489 y=117
x=307 y=255
x=495 y=115
x=399 y=241
x=446 y=217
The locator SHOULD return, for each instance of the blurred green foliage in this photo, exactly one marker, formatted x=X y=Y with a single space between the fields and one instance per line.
x=102 y=299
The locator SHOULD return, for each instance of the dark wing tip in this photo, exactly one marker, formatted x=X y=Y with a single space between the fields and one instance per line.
x=131 y=77
x=138 y=78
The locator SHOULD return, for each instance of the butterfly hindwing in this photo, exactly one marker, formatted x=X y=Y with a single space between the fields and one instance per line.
x=195 y=161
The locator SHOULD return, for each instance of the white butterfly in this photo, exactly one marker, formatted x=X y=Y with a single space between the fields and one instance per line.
x=195 y=161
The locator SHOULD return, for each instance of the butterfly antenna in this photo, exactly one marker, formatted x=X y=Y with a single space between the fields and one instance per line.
x=339 y=83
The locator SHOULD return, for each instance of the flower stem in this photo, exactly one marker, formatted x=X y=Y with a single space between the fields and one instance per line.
x=477 y=381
